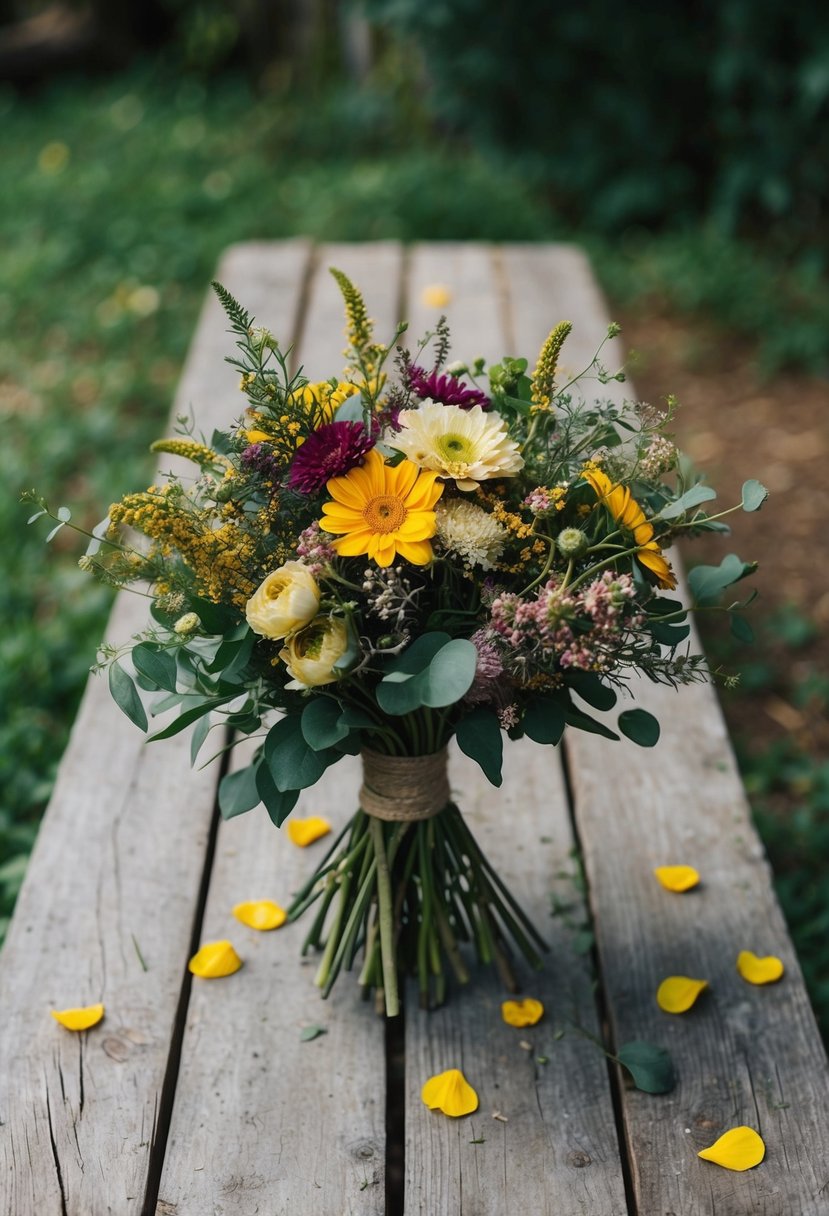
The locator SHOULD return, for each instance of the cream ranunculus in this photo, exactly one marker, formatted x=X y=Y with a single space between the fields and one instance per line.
x=284 y=602
x=312 y=654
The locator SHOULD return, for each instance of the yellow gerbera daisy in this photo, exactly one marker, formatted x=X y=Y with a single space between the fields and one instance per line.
x=382 y=510
x=629 y=515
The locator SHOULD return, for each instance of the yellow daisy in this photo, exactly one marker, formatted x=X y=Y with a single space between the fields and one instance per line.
x=629 y=515
x=383 y=510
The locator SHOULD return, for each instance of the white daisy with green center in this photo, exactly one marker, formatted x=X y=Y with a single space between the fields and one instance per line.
x=469 y=445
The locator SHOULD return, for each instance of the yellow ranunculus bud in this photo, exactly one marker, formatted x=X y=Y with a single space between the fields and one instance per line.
x=311 y=655
x=286 y=601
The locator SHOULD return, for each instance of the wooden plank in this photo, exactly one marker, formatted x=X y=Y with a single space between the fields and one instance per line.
x=558 y=1152
x=744 y=1055
x=263 y=1122
x=116 y=872
x=464 y=273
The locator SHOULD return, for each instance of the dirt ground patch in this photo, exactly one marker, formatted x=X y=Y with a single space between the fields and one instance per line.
x=737 y=426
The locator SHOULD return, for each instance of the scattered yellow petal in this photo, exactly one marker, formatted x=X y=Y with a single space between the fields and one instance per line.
x=678 y=993
x=522 y=1013
x=260 y=914
x=214 y=960
x=435 y=296
x=739 y=1149
x=305 y=831
x=759 y=970
x=677 y=878
x=79 y=1019
x=450 y=1092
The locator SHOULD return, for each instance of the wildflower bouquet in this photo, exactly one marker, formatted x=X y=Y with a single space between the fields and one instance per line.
x=379 y=563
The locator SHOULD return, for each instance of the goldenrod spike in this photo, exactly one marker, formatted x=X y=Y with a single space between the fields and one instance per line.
x=544 y=376
x=189 y=449
x=359 y=325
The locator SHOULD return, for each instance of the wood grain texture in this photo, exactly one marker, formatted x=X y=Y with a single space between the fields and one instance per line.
x=558 y=1152
x=262 y=1122
x=744 y=1054
x=116 y=871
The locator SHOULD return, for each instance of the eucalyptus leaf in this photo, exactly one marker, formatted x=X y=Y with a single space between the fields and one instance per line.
x=590 y=688
x=292 y=763
x=544 y=719
x=691 y=498
x=651 y=1067
x=156 y=664
x=754 y=495
x=584 y=722
x=639 y=726
x=238 y=792
x=707 y=583
x=200 y=732
x=437 y=675
x=125 y=695
x=322 y=723
x=278 y=804
x=479 y=737
x=741 y=629
x=197 y=708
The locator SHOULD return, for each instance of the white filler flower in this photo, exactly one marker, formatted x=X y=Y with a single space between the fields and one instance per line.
x=467 y=530
x=470 y=445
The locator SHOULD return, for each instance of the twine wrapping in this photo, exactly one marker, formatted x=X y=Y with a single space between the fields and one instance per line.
x=403 y=789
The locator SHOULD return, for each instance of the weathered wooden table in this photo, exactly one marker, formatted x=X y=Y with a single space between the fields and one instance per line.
x=195 y=1098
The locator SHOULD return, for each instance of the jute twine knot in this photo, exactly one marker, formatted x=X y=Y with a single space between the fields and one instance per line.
x=404 y=788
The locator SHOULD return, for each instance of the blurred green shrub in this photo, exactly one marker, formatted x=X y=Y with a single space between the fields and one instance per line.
x=640 y=113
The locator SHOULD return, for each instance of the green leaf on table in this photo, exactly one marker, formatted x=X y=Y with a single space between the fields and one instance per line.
x=322 y=723
x=754 y=495
x=238 y=792
x=125 y=695
x=311 y=1032
x=155 y=664
x=639 y=726
x=479 y=737
x=651 y=1067
x=691 y=498
x=544 y=719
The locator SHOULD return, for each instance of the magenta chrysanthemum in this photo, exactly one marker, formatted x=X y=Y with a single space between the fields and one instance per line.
x=448 y=390
x=328 y=452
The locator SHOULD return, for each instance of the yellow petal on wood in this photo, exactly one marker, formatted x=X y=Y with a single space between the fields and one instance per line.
x=305 y=831
x=759 y=970
x=450 y=1092
x=677 y=993
x=79 y=1019
x=677 y=878
x=522 y=1013
x=739 y=1149
x=260 y=914
x=435 y=296
x=214 y=960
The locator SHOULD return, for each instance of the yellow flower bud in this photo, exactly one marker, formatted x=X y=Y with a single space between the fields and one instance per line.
x=312 y=654
x=287 y=600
